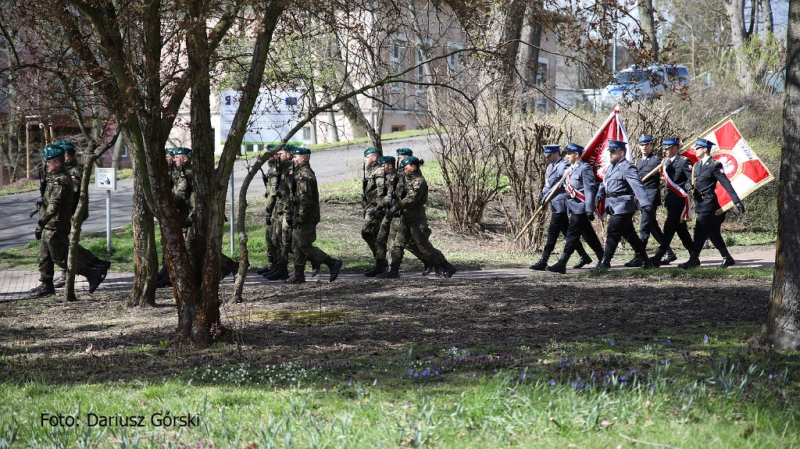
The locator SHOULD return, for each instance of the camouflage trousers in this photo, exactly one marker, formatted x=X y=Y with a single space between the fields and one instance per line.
x=370 y=231
x=54 y=249
x=414 y=237
x=282 y=238
x=271 y=239
x=303 y=238
x=385 y=240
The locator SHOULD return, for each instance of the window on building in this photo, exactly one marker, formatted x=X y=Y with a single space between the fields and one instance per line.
x=540 y=80
x=396 y=61
x=307 y=133
x=398 y=128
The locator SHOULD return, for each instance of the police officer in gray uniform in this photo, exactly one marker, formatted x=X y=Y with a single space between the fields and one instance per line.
x=648 y=162
x=621 y=188
x=581 y=188
x=706 y=173
x=678 y=172
x=559 y=220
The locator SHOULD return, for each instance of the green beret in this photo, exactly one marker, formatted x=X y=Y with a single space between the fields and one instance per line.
x=171 y=151
x=404 y=152
x=411 y=160
x=66 y=145
x=300 y=150
x=288 y=148
x=371 y=150
x=271 y=146
x=182 y=151
x=52 y=151
x=386 y=160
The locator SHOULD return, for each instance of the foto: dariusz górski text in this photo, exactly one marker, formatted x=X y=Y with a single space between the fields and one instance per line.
x=159 y=419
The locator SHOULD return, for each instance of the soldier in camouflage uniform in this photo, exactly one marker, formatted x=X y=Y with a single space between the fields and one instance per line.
x=76 y=174
x=271 y=180
x=282 y=232
x=371 y=200
x=386 y=185
x=162 y=279
x=53 y=229
x=413 y=223
x=403 y=153
x=183 y=193
x=303 y=216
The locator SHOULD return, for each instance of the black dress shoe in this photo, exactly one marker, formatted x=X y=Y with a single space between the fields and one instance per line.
x=727 y=261
x=633 y=263
x=582 y=263
x=601 y=267
x=691 y=263
x=559 y=267
x=541 y=265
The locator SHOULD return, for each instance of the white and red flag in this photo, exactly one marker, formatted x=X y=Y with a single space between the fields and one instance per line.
x=741 y=164
x=596 y=151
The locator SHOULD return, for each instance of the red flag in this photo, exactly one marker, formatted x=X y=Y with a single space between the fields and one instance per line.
x=596 y=151
x=741 y=164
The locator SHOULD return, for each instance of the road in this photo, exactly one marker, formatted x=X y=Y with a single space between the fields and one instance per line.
x=331 y=166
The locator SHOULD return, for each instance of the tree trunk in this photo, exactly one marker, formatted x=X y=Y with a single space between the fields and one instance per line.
x=782 y=327
x=505 y=27
x=528 y=66
x=145 y=263
x=735 y=11
x=648 y=24
x=769 y=23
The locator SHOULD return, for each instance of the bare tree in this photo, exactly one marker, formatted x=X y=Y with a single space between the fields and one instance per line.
x=648 y=23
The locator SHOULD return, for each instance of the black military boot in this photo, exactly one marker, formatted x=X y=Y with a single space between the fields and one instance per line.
x=281 y=273
x=96 y=274
x=44 y=289
x=267 y=268
x=380 y=267
x=334 y=265
x=426 y=270
x=314 y=269
x=61 y=280
x=393 y=273
x=299 y=277
x=668 y=258
x=448 y=270
x=541 y=265
x=635 y=262
x=693 y=262
x=560 y=266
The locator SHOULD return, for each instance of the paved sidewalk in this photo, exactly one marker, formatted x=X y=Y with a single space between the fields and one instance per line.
x=14 y=284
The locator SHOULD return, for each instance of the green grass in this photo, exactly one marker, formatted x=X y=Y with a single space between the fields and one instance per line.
x=705 y=389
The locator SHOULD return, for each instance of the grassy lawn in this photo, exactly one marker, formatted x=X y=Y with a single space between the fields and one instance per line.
x=691 y=384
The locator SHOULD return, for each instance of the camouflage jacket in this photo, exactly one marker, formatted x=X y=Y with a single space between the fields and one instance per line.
x=271 y=183
x=306 y=194
x=183 y=192
x=57 y=202
x=76 y=174
x=284 y=188
x=371 y=192
x=414 y=195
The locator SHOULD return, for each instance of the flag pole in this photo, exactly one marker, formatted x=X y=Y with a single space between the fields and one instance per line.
x=541 y=207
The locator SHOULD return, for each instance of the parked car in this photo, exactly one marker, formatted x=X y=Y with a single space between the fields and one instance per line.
x=775 y=81
x=637 y=82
